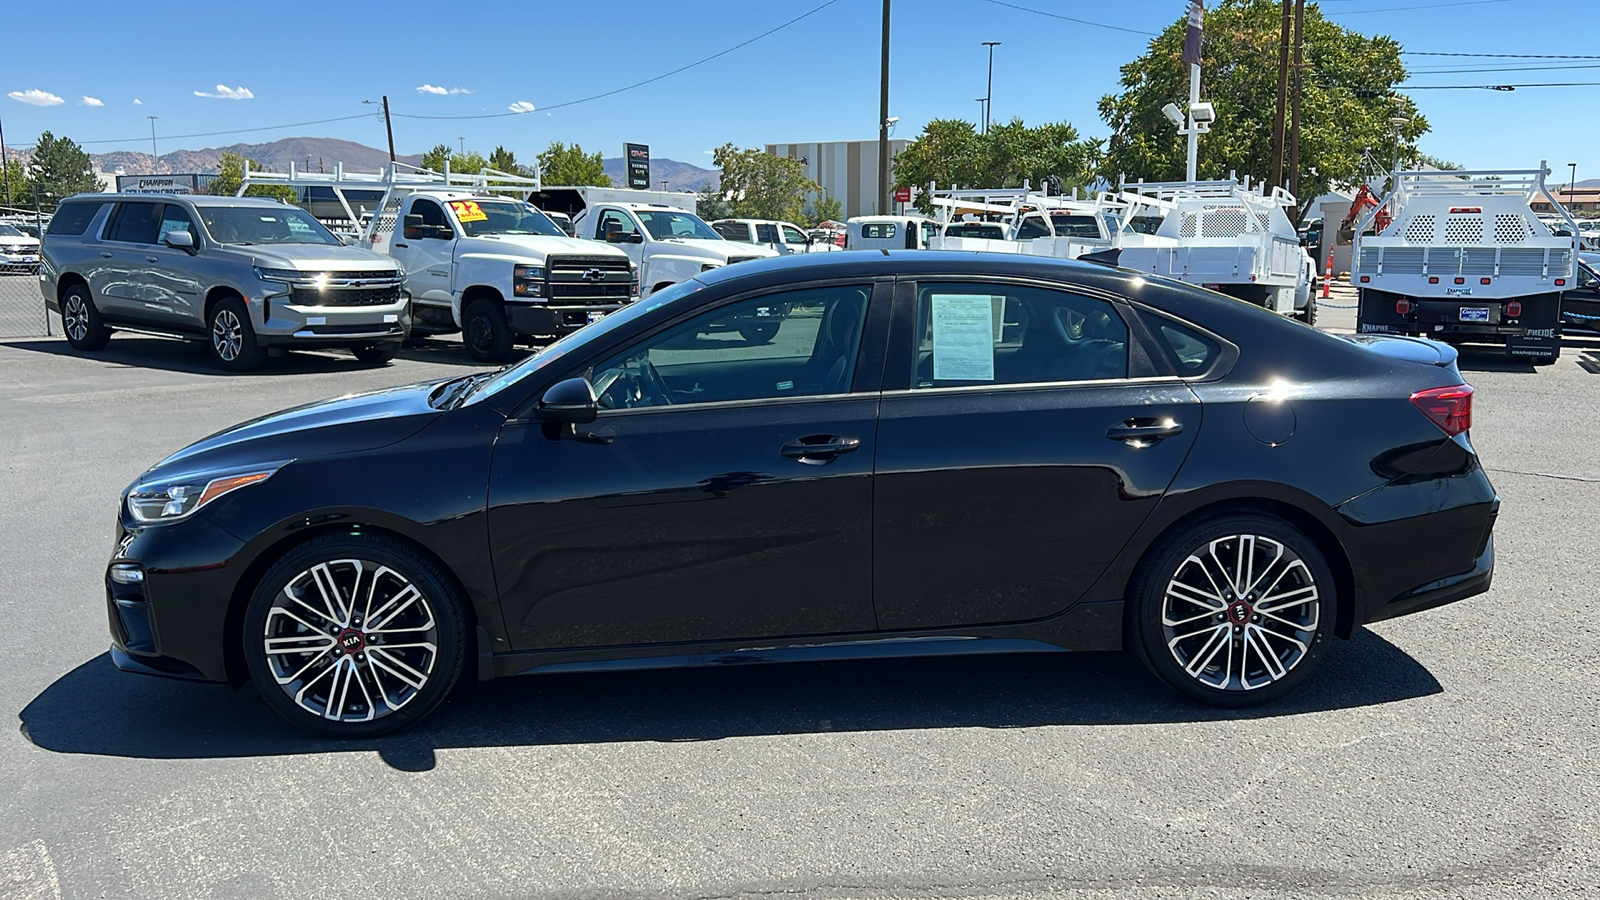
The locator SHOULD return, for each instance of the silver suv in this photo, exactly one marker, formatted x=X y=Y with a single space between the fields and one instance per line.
x=245 y=275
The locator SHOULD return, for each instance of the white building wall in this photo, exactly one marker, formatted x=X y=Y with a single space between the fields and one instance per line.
x=847 y=170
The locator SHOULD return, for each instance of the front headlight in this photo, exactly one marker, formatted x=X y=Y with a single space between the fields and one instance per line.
x=267 y=274
x=169 y=499
x=527 y=281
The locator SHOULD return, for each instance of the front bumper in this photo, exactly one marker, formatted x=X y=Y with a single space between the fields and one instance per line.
x=174 y=622
x=539 y=319
x=287 y=324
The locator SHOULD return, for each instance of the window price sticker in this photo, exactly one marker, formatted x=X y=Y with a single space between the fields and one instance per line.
x=468 y=210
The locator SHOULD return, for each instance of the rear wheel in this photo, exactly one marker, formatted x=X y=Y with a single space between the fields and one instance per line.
x=1233 y=611
x=81 y=322
x=1309 y=314
x=486 y=332
x=233 y=338
x=354 y=636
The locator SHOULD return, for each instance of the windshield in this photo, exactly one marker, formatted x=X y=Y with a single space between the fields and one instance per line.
x=264 y=225
x=481 y=217
x=9 y=231
x=663 y=225
x=1144 y=224
x=561 y=348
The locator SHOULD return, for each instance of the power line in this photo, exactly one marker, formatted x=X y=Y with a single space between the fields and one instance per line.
x=638 y=84
x=1040 y=12
x=1458 y=71
x=1494 y=55
x=1495 y=87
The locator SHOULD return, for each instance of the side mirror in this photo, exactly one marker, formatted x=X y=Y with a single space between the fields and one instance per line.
x=632 y=237
x=571 y=401
x=180 y=240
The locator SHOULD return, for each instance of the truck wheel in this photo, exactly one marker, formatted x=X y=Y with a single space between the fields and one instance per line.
x=233 y=338
x=1309 y=314
x=81 y=322
x=486 y=333
x=376 y=354
x=758 y=334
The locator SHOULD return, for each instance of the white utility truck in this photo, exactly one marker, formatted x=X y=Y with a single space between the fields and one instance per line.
x=889 y=233
x=477 y=257
x=1035 y=223
x=1221 y=235
x=1463 y=258
x=668 y=244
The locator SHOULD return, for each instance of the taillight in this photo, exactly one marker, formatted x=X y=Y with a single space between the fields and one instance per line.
x=1450 y=408
x=1561 y=282
x=1401 y=307
x=1366 y=278
x=1514 y=309
x=1485 y=280
x=1461 y=281
x=1433 y=279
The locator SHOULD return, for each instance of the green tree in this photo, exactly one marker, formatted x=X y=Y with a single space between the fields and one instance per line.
x=59 y=168
x=563 y=165
x=230 y=175
x=760 y=185
x=710 y=204
x=825 y=209
x=1348 y=100
x=468 y=163
x=503 y=160
x=951 y=152
x=17 y=175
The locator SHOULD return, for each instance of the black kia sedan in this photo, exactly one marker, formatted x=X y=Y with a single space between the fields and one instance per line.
x=931 y=454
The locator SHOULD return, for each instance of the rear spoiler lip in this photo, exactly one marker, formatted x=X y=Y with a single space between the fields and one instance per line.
x=1410 y=349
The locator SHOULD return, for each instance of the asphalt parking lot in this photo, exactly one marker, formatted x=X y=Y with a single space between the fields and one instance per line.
x=1449 y=754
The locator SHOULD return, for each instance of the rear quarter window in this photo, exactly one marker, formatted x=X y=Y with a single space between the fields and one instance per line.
x=73 y=218
x=1191 y=352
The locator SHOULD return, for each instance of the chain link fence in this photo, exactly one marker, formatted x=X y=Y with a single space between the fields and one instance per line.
x=22 y=309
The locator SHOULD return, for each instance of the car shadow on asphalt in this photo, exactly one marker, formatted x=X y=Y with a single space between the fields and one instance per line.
x=95 y=709
x=190 y=357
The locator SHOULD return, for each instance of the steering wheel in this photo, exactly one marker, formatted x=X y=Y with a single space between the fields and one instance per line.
x=630 y=384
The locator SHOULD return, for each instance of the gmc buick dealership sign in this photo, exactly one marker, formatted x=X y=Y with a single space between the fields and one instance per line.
x=638 y=157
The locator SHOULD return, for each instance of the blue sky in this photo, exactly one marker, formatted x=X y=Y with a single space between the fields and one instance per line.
x=815 y=80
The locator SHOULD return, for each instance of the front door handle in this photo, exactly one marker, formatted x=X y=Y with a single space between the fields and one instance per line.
x=1143 y=432
x=154 y=259
x=404 y=246
x=817 y=449
x=105 y=254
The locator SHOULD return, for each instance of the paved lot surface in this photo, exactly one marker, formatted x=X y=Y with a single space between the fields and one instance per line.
x=1447 y=754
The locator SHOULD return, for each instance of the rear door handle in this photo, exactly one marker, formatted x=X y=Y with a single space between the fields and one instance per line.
x=152 y=259
x=405 y=246
x=817 y=449
x=105 y=254
x=1142 y=432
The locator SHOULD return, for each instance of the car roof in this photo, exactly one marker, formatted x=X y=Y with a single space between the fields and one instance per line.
x=196 y=199
x=880 y=263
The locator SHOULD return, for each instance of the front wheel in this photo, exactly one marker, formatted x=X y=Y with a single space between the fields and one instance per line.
x=1234 y=611
x=233 y=338
x=354 y=636
x=1309 y=314
x=486 y=332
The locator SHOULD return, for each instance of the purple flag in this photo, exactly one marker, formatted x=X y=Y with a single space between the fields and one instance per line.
x=1191 y=38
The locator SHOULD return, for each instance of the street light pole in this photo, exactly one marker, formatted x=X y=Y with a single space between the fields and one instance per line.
x=883 y=120
x=988 y=97
x=983 y=110
x=1572 y=185
x=155 y=160
x=5 y=166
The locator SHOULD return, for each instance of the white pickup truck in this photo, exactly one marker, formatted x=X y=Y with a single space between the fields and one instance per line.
x=478 y=258
x=668 y=244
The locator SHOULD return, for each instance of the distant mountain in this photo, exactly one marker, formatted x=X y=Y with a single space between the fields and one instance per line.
x=679 y=176
x=307 y=154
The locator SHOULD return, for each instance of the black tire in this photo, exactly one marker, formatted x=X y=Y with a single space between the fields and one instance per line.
x=81 y=322
x=1191 y=662
x=232 y=337
x=1309 y=314
x=376 y=354
x=486 y=333
x=309 y=676
x=759 y=334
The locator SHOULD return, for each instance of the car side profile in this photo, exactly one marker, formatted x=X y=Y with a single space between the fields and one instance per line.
x=934 y=453
x=247 y=276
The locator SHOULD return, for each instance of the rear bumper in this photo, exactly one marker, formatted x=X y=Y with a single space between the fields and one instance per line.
x=1445 y=590
x=1536 y=331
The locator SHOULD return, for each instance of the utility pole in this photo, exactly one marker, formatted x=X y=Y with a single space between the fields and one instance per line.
x=1283 y=97
x=5 y=166
x=388 y=127
x=983 y=110
x=883 y=120
x=1572 y=186
x=155 y=160
x=463 y=145
x=988 y=97
x=1294 y=128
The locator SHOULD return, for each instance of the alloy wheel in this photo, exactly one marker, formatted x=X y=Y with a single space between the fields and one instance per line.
x=351 y=640
x=76 y=318
x=227 y=335
x=1241 y=612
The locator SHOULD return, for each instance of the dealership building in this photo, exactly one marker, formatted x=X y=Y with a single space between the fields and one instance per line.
x=847 y=170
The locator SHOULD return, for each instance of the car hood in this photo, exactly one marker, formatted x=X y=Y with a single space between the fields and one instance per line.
x=319 y=258
x=720 y=251
x=540 y=245
x=350 y=424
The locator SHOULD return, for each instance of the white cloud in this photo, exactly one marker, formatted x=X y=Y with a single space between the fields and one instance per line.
x=91 y=101
x=522 y=106
x=436 y=89
x=36 y=97
x=137 y=102
x=224 y=92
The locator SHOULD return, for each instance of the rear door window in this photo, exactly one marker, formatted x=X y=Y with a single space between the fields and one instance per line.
x=135 y=223
x=733 y=231
x=73 y=218
x=976 y=334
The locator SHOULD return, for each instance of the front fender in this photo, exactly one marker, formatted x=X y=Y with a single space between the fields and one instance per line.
x=670 y=268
